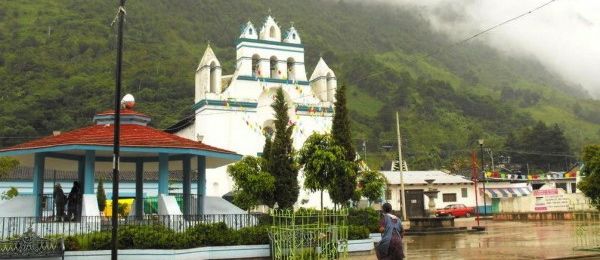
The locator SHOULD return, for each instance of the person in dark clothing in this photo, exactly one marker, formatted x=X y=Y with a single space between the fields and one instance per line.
x=74 y=201
x=59 y=202
x=390 y=226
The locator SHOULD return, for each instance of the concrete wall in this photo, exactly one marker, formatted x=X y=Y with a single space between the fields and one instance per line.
x=577 y=201
x=216 y=252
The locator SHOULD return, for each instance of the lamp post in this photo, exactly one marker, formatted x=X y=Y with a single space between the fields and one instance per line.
x=483 y=170
x=117 y=134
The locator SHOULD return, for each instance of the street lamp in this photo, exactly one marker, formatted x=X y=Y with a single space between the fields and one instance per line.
x=483 y=170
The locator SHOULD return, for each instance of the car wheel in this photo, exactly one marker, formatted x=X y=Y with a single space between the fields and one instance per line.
x=468 y=215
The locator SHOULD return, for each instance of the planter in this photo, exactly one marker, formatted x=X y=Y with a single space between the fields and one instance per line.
x=361 y=246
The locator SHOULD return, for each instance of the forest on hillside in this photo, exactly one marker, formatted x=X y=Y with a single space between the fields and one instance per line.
x=57 y=64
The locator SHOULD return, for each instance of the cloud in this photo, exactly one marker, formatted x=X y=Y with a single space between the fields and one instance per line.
x=564 y=35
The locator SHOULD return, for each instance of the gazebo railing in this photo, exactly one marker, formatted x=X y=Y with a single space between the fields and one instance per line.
x=11 y=227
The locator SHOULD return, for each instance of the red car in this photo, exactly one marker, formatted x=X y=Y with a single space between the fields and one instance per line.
x=455 y=210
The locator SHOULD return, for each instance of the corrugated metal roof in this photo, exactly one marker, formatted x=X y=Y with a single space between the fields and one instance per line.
x=419 y=177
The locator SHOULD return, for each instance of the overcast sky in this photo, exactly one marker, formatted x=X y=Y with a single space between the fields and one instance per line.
x=565 y=35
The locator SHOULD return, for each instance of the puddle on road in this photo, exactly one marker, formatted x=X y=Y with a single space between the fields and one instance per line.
x=502 y=240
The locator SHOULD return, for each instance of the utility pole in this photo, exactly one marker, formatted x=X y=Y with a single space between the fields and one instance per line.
x=475 y=176
x=404 y=216
x=483 y=170
x=115 y=179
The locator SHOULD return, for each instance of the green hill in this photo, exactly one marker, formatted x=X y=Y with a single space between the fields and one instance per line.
x=57 y=66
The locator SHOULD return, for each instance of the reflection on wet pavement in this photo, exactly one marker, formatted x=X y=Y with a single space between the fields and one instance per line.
x=502 y=240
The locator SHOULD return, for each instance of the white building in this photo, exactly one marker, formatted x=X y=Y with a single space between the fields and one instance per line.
x=452 y=189
x=232 y=111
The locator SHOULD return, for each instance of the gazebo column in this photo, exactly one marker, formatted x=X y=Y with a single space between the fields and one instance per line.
x=187 y=168
x=167 y=205
x=163 y=174
x=90 y=169
x=139 y=189
x=201 y=184
x=90 y=202
x=81 y=171
x=38 y=182
x=81 y=178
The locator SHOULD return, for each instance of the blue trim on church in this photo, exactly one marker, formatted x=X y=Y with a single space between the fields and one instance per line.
x=223 y=103
x=305 y=108
x=271 y=80
x=232 y=103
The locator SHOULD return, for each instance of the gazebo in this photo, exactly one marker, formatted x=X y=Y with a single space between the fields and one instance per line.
x=89 y=149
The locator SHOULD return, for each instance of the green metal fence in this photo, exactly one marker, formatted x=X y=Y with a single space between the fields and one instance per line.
x=309 y=234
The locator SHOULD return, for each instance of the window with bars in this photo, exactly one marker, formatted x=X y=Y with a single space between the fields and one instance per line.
x=449 y=197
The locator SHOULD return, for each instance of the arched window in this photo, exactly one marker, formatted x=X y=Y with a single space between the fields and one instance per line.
x=293 y=36
x=291 y=69
x=255 y=64
x=213 y=78
x=250 y=31
x=272 y=32
x=273 y=67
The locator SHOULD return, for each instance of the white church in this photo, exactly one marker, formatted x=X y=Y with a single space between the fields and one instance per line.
x=232 y=111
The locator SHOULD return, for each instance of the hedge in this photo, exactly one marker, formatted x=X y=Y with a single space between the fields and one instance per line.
x=160 y=237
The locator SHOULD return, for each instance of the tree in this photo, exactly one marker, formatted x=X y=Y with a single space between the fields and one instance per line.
x=7 y=164
x=372 y=184
x=541 y=147
x=101 y=196
x=340 y=128
x=344 y=179
x=253 y=184
x=281 y=160
x=321 y=158
x=590 y=184
x=344 y=183
x=267 y=199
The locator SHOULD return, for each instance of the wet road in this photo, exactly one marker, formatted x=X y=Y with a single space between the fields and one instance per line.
x=502 y=240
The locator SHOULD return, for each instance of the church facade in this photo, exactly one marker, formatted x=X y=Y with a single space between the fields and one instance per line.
x=233 y=111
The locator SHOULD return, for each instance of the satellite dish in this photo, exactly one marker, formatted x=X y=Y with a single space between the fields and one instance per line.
x=128 y=101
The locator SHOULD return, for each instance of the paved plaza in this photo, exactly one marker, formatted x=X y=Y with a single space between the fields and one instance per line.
x=503 y=240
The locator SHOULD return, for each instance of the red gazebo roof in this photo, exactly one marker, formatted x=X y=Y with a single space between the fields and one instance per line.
x=132 y=135
x=137 y=135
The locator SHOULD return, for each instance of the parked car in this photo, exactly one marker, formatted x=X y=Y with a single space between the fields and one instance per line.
x=456 y=210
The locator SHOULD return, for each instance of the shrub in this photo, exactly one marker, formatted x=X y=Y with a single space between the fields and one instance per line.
x=101 y=196
x=258 y=235
x=358 y=232
x=368 y=218
x=211 y=235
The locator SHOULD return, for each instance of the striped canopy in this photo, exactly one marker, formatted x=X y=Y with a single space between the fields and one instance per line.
x=507 y=192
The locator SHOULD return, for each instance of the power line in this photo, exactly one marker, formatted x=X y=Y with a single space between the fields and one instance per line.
x=442 y=49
